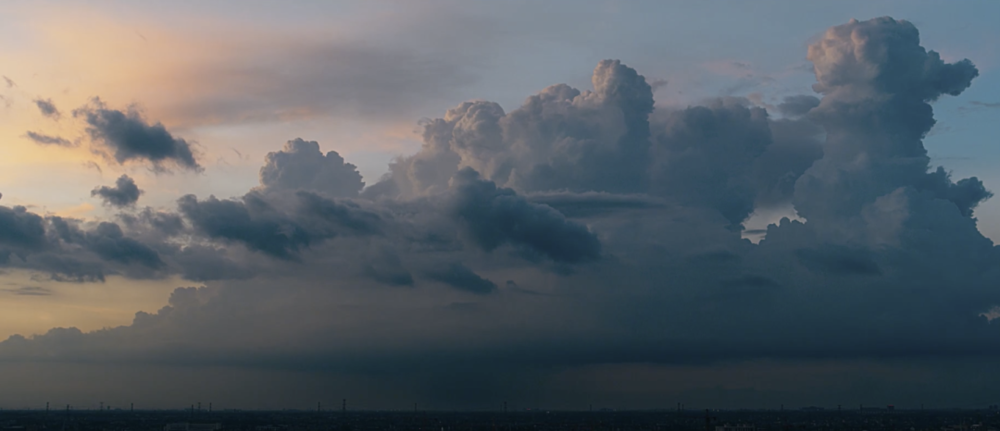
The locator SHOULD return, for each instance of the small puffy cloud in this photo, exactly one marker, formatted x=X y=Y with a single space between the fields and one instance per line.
x=301 y=166
x=47 y=108
x=124 y=193
x=129 y=137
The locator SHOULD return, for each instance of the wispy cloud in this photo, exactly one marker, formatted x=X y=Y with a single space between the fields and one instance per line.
x=29 y=291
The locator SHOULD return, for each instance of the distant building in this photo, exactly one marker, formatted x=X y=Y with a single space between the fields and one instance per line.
x=185 y=426
x=735 y=428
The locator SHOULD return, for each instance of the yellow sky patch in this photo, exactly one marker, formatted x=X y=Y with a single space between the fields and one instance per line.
x=87 y=306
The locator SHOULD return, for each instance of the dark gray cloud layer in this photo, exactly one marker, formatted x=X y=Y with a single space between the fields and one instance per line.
x=259 y=224
x=617 y=229
x=252 y=222
x=492 y=216
x=129 y=137
x=21 y=229
x=123 y=194
x=705 y=156
x=461 y=277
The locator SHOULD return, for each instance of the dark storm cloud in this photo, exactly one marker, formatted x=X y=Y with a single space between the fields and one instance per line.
x=839 y=261
x=124 y=193
x=796 y=144
x=47 y=108
x=966 y=194
x=62 y=249
x=143 y=246
x=69 y=269
x=20 y=229
x=337 y=216
x=130 y=137
x=43 y=139
x=494 y=216
x=259 y=224
x=301 y=166
x=205 y=263
x=303 y=273
x=462 y=278
x=252 y=222
x=167 y=223
x=704 y=156
x=109 y=242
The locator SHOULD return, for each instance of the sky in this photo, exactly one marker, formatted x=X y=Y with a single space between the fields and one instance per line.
x=624 y=204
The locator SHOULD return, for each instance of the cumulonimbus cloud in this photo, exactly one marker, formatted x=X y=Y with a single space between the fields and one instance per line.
x=623 y=221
